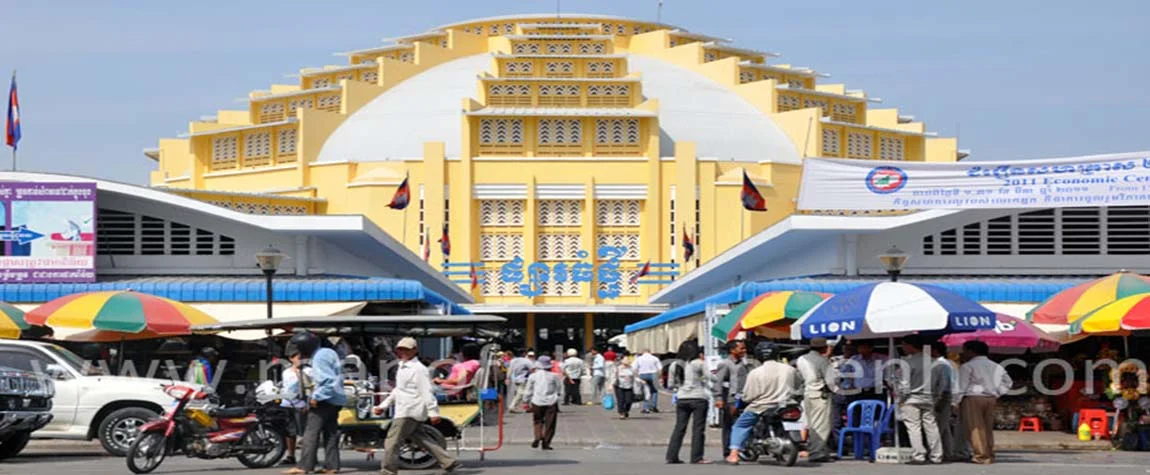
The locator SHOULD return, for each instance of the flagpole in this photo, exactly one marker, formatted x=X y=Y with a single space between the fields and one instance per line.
x=9 y=118
x=405 y=225
x=13 y=158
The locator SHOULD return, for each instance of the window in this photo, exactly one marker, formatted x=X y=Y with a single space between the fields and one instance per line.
x=560 y=131
x=407 y=57
x=271 y=112
x=329 y=103
x=304 y=103
x=526 y=48
x=831 y=141
x=627 y=283
x=320 y=83
x=628 y=240
x=225 y=151
x=286 y=142
x=617 y=131
x=600 y=69
x=820 y=103
x=257 y=148
x=890 y=148
x=795 y=83
x=746 y=76
x=501 y=131
x=710 y=56
x=560 y=212
x=844 y=112
x=371 y=77
x=1081 y=231
x=1128 y=230
x=788 y=102
x=518 y=68
x=559 y=247
x=501 y=212
x=492 y=284
x=999 y=236
x=24 y=360
x=858 y=145
x=972 y=239
x=120 y=233
x=500 y=246
x=617 y=212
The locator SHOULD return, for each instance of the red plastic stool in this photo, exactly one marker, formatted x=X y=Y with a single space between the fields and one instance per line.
x=1097 y=420
x=1030 y=424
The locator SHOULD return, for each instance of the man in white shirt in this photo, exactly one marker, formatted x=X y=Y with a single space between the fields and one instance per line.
x=414 y=404
x=819 y=383
x=598 y=376
x=573 y=369
x=980 y=383
x=542 y=390
x=944 y=378
x=649 y=367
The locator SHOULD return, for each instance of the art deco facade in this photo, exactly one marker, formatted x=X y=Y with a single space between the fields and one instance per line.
x=545 y=139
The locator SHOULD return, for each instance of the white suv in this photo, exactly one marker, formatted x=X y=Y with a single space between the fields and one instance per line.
x=88 y=406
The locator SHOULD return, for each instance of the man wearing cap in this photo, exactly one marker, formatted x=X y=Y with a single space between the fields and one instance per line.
x=542 y=392
x=414 y=404
x=573 y=369
x=819 y=381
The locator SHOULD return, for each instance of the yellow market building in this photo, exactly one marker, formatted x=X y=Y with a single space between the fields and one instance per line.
x=556 y=150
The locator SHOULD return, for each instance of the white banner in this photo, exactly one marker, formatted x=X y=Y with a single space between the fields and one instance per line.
x=1096 y=180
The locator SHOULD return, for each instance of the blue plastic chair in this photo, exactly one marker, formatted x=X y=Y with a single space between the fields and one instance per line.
x=872 y=416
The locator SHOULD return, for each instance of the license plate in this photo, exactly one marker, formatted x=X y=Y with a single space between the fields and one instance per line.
x=793 y=425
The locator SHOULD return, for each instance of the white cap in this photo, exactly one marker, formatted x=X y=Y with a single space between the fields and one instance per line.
x=408 y=343
x=572 y=352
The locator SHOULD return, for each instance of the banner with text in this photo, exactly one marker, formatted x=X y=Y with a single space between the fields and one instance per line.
x=1096 y=180
x=49 y=232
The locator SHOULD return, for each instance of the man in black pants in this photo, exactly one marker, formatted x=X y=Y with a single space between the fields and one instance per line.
x=326 y=399
x=729 y=379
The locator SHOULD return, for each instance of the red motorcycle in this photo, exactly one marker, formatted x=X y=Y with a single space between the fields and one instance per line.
x=201 y=429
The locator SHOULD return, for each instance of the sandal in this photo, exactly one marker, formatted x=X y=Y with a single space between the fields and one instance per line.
x=294 y=471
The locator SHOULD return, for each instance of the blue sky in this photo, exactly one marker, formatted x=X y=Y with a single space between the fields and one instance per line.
x=100 y=81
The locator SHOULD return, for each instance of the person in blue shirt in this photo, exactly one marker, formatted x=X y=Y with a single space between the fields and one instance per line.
x=325 y=401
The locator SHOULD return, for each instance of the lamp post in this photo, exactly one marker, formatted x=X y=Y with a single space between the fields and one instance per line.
x=269 y=261
x=893 y=260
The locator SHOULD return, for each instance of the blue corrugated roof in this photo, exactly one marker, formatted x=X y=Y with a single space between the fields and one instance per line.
x=243 y=289
x=979 y=289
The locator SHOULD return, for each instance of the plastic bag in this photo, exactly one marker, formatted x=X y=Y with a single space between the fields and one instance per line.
x=608 y=402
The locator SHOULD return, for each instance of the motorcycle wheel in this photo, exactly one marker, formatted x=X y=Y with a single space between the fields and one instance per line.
x=414 y=457
x=270 y=439
x=788 y=453
x=147 y=452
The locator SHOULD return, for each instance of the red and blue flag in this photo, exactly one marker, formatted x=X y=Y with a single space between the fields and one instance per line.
x=688 y=246
x=12 y=131
x=752 y=199
x=402 y=196
x=445 y=243
x=643 y=272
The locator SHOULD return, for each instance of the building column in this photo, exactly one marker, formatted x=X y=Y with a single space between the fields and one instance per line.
x=588 y=332
x=530 y=332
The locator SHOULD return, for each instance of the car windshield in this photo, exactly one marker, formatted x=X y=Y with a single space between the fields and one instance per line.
x=74 y=361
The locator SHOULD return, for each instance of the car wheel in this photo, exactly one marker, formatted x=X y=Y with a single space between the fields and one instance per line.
x=119 y=429
x=13 y=444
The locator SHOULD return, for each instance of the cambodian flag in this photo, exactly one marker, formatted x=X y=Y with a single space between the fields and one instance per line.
x=12 y=132
x=643 y=272
x=688 y=246
x=892 y=309
x=752 y=199
x=474 y=277
x=445 y=243
x=402 y=196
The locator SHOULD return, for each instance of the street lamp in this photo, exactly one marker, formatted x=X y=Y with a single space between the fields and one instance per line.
x=893 y=260
x=269 y=261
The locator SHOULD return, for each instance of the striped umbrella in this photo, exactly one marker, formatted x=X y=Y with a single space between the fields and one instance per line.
x=1070 y=305
x=890 y=309
x=1119 y=317
x=120 y=311
x=12 y=323
x=769 y=314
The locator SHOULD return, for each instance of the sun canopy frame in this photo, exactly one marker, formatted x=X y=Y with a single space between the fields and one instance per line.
x=406 y=325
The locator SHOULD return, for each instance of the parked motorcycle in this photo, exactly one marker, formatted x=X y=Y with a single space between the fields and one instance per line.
x=201 y=429
x=771 y=436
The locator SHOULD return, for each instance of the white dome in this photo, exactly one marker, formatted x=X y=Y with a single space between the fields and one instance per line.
x=427 y=108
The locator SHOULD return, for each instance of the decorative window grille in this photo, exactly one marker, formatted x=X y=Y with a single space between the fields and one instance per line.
x=560 y=68
x=526 y=48
x=560 y=212
x=494 y=30
x=788 y=102
x=890 y=148
x=636 y=30
x=501 y=131
x=500 y=246
x=999 y=236
x=518 y=68
x=443 y=43
x=407 y=57
x=271 y=112
x=674 y=43
x=347 y=76
x=820 y=103
x=626 y=286
x=972 y=239
x=257 y=148
x=493 y=285
x=858 y=145
x=508 y=28
x=710 y=56
x=629 y=240
x=600 y=69
x=286 y=143
x=592 y=48
x=608 y=28
x=225 y=151
x=501 y=212
x=746 y=76
x=302 y=103
x=552 y=288
x=120 y=233
x=795 y=83
x=831 y=142
x=329 y=103
x=371 y=77
x=1092 y=231
x=617 y=131
x=617 y=212
x=844 y=112
x=319 y=83
x=559 y=247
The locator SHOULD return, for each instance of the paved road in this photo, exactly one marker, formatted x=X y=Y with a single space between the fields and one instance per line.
x=518 y=460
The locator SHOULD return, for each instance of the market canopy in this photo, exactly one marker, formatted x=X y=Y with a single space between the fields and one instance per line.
x=409 y=325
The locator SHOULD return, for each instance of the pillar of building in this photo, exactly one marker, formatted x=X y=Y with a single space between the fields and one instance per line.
x=588 y=332
x=529 y=339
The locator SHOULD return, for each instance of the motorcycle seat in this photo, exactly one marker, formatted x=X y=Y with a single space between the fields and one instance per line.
x=230 y=412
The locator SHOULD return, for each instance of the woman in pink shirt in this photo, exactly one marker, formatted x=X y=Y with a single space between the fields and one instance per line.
x=463 y=372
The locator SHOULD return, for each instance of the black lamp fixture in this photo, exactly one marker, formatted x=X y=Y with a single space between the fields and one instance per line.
x=893 y=260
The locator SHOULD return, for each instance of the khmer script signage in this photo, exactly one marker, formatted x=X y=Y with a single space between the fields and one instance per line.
x=1098 y=180
x=530 y=279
